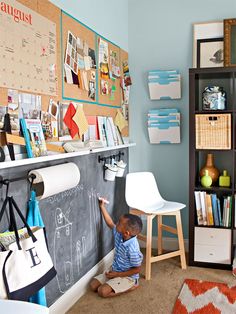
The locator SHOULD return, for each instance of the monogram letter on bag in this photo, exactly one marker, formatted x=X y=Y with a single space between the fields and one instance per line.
x=34 y=256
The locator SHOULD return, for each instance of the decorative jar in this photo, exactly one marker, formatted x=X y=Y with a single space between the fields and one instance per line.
x=213 y=98
x=212 y=170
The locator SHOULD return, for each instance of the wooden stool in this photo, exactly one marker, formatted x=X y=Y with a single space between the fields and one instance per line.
x=160 y=227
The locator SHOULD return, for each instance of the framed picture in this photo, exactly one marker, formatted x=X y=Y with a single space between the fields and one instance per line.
x=206 y=30
x=210 y=53
x=230 y=42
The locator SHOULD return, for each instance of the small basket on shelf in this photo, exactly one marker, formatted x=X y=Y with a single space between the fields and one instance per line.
x=213 y=131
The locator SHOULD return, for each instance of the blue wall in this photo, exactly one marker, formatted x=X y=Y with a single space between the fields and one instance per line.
x=108 y=18
x=160 y=37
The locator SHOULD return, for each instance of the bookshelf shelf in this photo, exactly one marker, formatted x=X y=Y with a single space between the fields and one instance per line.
x=216 y=239
x=214 y=189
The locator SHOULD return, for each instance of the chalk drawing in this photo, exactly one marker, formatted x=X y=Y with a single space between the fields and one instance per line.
x=59 y=197
x=63 y=250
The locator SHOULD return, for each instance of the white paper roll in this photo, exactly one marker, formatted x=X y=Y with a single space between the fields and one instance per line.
x=56 y=179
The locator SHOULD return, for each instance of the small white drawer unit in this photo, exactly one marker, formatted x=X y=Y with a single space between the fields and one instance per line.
x=212 y=245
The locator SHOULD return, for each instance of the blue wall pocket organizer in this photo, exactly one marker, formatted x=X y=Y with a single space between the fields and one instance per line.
x=164 y=126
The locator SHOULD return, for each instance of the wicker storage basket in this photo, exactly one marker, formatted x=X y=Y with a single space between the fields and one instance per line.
x=213 y=131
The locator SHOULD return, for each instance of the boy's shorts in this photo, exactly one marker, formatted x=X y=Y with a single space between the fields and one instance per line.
x=118 y=284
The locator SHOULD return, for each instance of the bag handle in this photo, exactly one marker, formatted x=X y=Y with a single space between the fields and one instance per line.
x=13 y=223
x=4 y=205
x=30 y=232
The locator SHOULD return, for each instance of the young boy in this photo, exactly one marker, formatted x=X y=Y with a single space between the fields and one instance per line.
x=124 y=273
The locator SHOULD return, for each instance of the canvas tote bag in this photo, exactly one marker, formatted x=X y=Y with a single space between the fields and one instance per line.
x=26 y=266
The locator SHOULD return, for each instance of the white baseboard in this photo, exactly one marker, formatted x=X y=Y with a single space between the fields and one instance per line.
x=169 y=244
x=66 y=301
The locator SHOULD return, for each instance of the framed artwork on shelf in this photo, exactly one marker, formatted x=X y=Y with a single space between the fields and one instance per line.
x=206 y=30
x=210 y=53
x=230 y=42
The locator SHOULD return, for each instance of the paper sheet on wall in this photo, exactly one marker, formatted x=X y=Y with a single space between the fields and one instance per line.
x=120 y=120
x=32 y=35
x=81 y=120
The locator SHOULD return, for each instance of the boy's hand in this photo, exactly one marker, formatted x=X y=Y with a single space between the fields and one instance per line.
x=106 y=215
x=112 y=274
x=102 y=201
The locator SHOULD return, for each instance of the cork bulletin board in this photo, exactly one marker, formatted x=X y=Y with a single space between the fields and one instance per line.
x=112 y=83
x=102 y=105
x=86 y=38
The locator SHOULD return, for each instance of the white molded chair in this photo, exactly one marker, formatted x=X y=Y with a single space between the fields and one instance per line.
x=143 y=197
x=20 y=307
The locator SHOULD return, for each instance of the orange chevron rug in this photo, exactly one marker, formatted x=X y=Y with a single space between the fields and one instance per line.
x=205 y=297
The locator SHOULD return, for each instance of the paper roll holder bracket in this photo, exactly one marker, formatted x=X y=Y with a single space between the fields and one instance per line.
x=6 y=182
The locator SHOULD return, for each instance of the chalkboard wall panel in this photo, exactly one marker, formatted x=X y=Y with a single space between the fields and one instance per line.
x=78 y=238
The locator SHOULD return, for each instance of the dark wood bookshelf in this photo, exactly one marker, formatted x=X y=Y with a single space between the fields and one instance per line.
x=223 y=158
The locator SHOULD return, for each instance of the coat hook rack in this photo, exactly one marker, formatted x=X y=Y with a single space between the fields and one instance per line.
x=100 y=159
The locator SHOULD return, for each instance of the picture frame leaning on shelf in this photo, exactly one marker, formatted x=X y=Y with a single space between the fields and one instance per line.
x=230 y=42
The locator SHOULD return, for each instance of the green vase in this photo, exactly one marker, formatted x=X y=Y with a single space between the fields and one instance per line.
x=224 y=180
x=206 y=180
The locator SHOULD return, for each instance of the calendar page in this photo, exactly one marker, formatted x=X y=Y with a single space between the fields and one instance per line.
x=27 y=50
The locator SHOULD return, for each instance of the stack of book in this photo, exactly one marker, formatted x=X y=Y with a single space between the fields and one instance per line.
x=164 y=126
x=164 y=84
x=109 y=133
x=211 y=211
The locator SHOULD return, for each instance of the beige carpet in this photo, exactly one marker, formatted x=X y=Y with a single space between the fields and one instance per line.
x=156 y=296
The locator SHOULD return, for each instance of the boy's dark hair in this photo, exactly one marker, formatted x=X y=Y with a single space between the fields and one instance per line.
x=134 y=223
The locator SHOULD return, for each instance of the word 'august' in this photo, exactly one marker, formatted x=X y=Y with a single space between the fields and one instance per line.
x=17 y=15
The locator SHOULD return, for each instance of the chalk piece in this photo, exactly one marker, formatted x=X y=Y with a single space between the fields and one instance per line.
x=102 y=199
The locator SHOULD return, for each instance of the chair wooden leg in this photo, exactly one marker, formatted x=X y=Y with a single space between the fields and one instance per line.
x=181 y=240
x=159 y=236
x=148 y=247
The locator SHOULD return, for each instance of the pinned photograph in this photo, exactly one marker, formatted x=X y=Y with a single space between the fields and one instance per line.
x=3 y=111
x=104 y=87
x=104 y=71
x=91 y=53
x=92 y=90
x=53 y=108
x=29 y=106
x=114 y=63
x=13 y=109
x=46 y=125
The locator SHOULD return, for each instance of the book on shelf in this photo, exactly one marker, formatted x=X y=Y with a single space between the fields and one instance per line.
x=102 y=131
x=227 y=211
x=34 y=137
x=119 y=135
x=203 y=205
x=219 y=212
x=210 y=220
x=198 y=208
x=230 y=211
x=109 y=133
x=110 y=123
x=214 y=209
x=92 y=133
